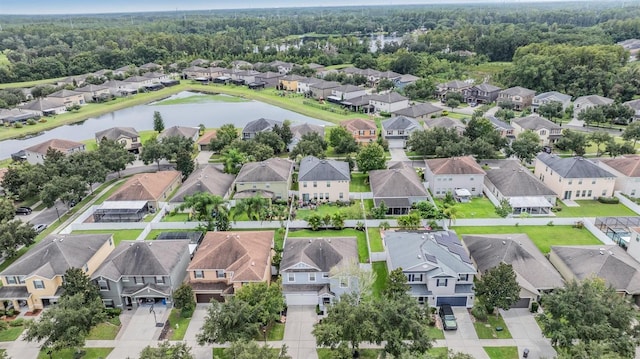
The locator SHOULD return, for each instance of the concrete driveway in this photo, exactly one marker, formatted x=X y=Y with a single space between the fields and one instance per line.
x=142 y=326
x=527 y=334
x=398 y=154
x=465 y=339
x=297 y=332
x=197 y=321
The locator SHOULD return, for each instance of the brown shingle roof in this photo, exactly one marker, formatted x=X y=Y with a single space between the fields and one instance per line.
x=246 y=254
x=56 y=144
x=207 y=137
x=145 y=186
x=358 y=124
x=454 y=166
x=205 y=179
x=628 y=165
x=398 y=182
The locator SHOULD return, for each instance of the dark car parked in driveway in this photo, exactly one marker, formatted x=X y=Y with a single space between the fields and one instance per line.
x=448 y=318
x=23 y=211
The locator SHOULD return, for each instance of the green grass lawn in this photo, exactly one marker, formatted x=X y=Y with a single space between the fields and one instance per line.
x=89 y=353
x=436 y=333
x=30 y=83
x=591 y=208
x=543 y=236
x=359 y=183
x=274 y=333
x=11 y=334
x=111 y=191
x=155 y=232
x=478 y=207
x=353 y=211
x=104 y=331
x=438 y=352
x=183 y=324
x=502 y=352
x=118 y=235
x=324 y=353
x=375 y=240
x=380 y=269
x=363 y=253
x=176 y=217
x=219 y=353
x=196 y=99
x=487 y=330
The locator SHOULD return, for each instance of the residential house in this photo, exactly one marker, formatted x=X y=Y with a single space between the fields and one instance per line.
x=322 y=89
x=260 y=125
x=396 y=130
x=304 y=85
x=549 y=97
x=151 y=67
x=225 y=261
x=455 y=86
x=73 y=80
x=451 y=175
x=505 y=129
x=626 y=170
x=196 y=73
x=510 y=180
x=137 y=82
x=635 y=106
x=283 y=67
x=150 y=188
x=321 y=180
x=34 y=280
x=481 y=94
x=405 y=80
x=208 y=179
x=311 y=270
x=271 y=178
x=93 y=93
x=290 y=82
x=548 y=131
x=119 y=88
x=244 y=77
x=204 y=141
x=156 y=77
x=199 y=62
x=389 y=103
x=520 y=97
x=361 y=104
x=445 y=122
x=180 y=131
x=364 y=131
x=302 y=129
x=142 y=273
x=270 y=79
x=193 y=238
x=585 y=102
x=37 y=153
x=437 y=267
x=534 y=274
x=420 y=111
x=574 y=178
x=10 y=116
x=68 y=97
x=346 y=92
x=128 y=136
x=241 y=65
x=399 y=188
x=45 y=107
x=125 y=70
x=391 y=76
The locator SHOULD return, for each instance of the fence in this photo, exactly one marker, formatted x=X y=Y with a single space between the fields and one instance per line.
x=627 y=202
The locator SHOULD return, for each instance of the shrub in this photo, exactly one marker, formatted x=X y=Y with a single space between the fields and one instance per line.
x=42 y=120
x=384 y=225
x=534 y=307
x=11 y=312
x=3 y=325
x=609 y=200
x=17 y=125
x=16 y=323
x=186 y=313
x=112 y=312
x=556 y=209
x=31 y=122
x=479 y=311
x=359 y=226
x=550 y=224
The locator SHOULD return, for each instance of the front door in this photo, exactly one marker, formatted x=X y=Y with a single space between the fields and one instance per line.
x=567 y=195
x=305 y=197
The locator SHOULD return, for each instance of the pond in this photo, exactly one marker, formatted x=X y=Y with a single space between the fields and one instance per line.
x=182 y=109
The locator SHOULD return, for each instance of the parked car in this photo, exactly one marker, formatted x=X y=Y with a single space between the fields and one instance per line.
x=39 y=227
x=25 y=211
x=448 y=318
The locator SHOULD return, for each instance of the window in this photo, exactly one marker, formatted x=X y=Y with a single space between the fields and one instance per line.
x=328 y=184
x=372 y=132
x=312 y=277
x=159 y=279
x=390 y=132
x=604 y=193
x=268 y=185
x=103 y=285
x=414 y=278
x=321 y=195
x=38 y=284
x=291 y=277
x=315 y=184
x=219 y=273
x=315 y=196
x=326 y=195
x=198 y=274
x=543 y=132
x=420 y=300
x=593 y=182
x=463 y=277
x=10 y=280
x=441 y=282
x=138 y=280
x=584 y=193
x=401 y=132
x=21 y=280
x=570 y=182
x=589 y=193
x=326 y=275
x=473 y=189
x=577 y=194
x=344 y=282
x=341 y=195
x=579 y=181
x=304 y=184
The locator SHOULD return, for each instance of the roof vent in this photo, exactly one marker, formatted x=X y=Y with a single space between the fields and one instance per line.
x=504 y=242
x=130 y=244
x=150 y=243
x=61 y=239
x=329 y=240
x=309 y=240
x=610 y=253
x=432 y=237
x=601 y=251
x=419 y=256
x=422 y=236
x=253 y=263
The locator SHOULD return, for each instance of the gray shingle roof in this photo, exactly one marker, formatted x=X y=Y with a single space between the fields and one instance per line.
x=315 y=169
x=518 y=91
x=63 y=93
x=205 y=179
x=56 y=253
x=323 y=85
x=595 y=100
x=487 y=87
x=142 y=258
x=91 y=88
x=535 y=123
x=553 y=96
x=445 y=122
x=465 y=165
x=260 y=125
x=320 y=253
x=391 y=97
x=302 y=129
x=398 y=182
x=512 y=179
x=634 y=104
x=499 y=124
x=276 y=169
x=418 y=110
x=348 y=88
x=115 y=133
x=400 y=123
x=188 y=132
x=488 y=251
x=574 y=167
x=43 y=104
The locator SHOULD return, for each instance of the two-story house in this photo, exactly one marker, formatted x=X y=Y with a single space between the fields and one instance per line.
x=455 y=86
x=627 y=172
x=445 y=122
x=142 y=272
x=574 y=178
x=548 y=97
x=364 y=131
x=396 y=130
x=520 y=97
x=635 y=106
x=304 y=85
x=37 y=153
x=34 y=280
x=93 y=93
x=323 y=180
x=180 y=131
x=481 y=94
x=389 y=102
x=346 y=92
x=421 y=111
x=452 y=175
x=128 y=136
x=260 y=125
x=270 y=178
x=548 y=131
x=438 y=268
x=315 y=270
x=585 y=102
x=321 y=89
x=302 y=129
x=68 y=97
x=505 y=129
x=290 y=82
x=225 y=261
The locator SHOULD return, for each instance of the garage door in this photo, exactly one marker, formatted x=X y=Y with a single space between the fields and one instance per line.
x=395 y=143
x=452 y=301
x=522 y=303
x=207 y=297
x=302 y=299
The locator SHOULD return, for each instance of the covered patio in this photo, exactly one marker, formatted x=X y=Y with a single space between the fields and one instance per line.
x=146 y=295
x=121 y=211
x=530 y=205
x=17 y=297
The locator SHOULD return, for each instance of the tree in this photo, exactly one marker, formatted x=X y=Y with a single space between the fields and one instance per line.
x=245 y=349
x=311 y=144
x=184 y=163
x=498 y=287
x=166 y=350
x=233 y=160
x=342 y=141
x=255 y=208
x=452 y=103
x=7 y=210
x=89 y=166
x=14 y=234
x=174 y=145
x=365 y=279
x=439 y=141
x=284 y=132
x=615 y=149
x=551 y=110
x=426 y=210
x=208 y=208
x=371 y=157
x=264 y=300
x=592 y=115
x=153 y=151
x=77 y=282
x=632 y=132
x=600 y=137
x=66 y=189
x=158 y=122
x=525 y=147
x=451 y=213
x=228 y=322
x=379 y=211
x=505 y=114
x=114 y=156
x=224 y=136
x=574 y=141
x=183 y=298
x=314 y=221
x=397 y=285
x=270 y=139
x=504 y=209
x=587 y=312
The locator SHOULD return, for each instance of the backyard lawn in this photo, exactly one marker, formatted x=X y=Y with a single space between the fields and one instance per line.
x=89 y=353
x=153 y=234
x=118 y=235
x=591 y=208
x=363 y=252
x=380 y=269
x=375 y=240
x=502 y=352
x=359 y=183
x=353 y=211
x=175 y=217
x=479 y=207
x=183 y=323
x=487 y=329
x=543 y=236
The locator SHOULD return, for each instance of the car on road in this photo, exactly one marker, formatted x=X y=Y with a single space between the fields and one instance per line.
x=448 y=318
x=39 y=227
x=25 y=211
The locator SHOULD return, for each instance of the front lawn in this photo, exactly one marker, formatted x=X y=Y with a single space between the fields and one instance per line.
x=11 y=334
x=543 y=236
x=274 y=333
x=182 y=324
x=104 y=331
x=359 y=183
x=380 y=269
x=89 y=353
x=439 y=352
x=375 y=240
x=487 y=329
x=478 y=207
x=591 y=208
x=436 y=333
x=324 y=353
x=502 y=352
x=118 y=234
x=363 y=253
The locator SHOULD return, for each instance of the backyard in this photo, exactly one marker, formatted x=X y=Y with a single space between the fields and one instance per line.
x=543 y=236
x=118 y=235
x=353 y=211
x=380 y=269
x=592 y=208
x=363 y=253
x=375 y=240
x=359 y=183
x=478 y=207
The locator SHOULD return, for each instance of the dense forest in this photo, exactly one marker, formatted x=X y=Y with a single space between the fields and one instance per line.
x=549 y=36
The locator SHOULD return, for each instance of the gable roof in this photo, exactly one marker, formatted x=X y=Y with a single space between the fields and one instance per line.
x=391 y=97
x=246 y=254
x=56 y=253
x=207 y=137
x=634 y=104
x=187 y=132
x=518 y=91
x=609 y=262
x=573 y=167
x=145 y=186
x=56 y=144
x=273 y=170
x=134 y=79
x=318 y=254
x=401 y=182
x=455 y=84
x=43 y=104
x=465 y=165
x=64 y=93
x=91 y=88
x=400 y=123
x=115 y=133
x=514 y=180
x=595 y=100
x=553 y=96
x=324 y=85
x=531 y=266
x=486 y=87
x=535 y=123
x=499 y=124
x=315 y=169
x=205 y=179
x=348 y=88
x=628 y=165
x=446 y=122
x=142 y=258
x=359 y=124
x=302 y=129
x=418 y=110
x=260 y=125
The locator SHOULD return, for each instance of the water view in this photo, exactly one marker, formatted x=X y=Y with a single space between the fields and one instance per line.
x=182 y=109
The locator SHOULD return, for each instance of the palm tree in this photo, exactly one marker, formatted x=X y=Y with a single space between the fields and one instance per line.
x=233 y=160
x=253 y=207
x=205 y=206
x=451 y=212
